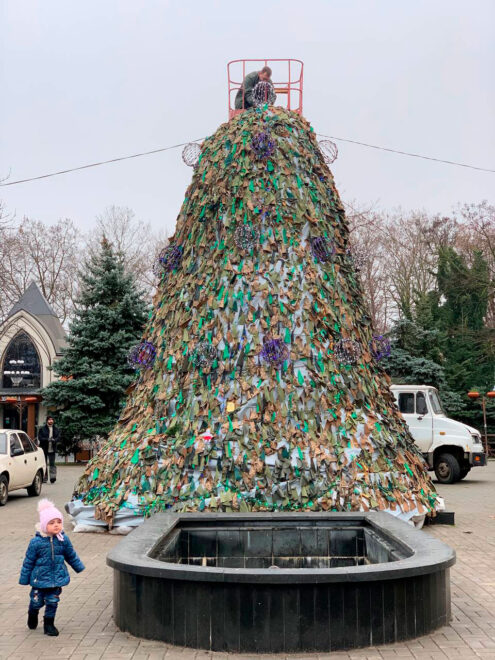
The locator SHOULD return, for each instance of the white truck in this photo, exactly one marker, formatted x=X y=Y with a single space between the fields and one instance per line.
x=450 y=448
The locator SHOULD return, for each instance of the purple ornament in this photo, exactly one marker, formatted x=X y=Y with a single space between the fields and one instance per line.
x=380 y=347
x=275 y=351
x=169 y=258
x=322 y=249
x=263 y=145
x=142 y=355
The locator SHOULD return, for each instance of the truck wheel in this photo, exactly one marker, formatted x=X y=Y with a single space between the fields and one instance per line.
x=464 y=472
x=4 y=490
x=447 y=469
x=35 y=488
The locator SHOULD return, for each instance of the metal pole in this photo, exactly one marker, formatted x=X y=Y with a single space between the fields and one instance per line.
x=301 y=88
x=243 y=76
x=289 y=90
x=483 y=404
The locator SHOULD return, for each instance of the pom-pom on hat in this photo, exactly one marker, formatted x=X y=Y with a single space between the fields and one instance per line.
x=48 y=511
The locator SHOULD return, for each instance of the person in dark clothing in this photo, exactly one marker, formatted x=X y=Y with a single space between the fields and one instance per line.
x=244 y=97
x=48 y=439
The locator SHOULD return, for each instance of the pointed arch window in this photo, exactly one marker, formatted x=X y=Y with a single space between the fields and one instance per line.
x=21 y=366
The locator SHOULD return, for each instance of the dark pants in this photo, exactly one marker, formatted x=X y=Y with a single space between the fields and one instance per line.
x=47 y=597
x=50 y=467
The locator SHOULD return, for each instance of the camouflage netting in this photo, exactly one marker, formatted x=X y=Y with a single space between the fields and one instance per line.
x=265 y=392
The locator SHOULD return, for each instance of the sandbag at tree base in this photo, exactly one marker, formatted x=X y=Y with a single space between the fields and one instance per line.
x=259 y=384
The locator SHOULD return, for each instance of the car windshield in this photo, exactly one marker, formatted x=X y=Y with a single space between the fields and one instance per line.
x=435 y=403
x=3 y=443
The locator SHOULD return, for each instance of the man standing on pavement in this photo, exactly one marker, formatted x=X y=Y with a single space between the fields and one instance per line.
x=244 y=96
x=48 y=439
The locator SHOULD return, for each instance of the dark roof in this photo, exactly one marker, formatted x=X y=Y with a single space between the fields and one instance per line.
x=33 y=302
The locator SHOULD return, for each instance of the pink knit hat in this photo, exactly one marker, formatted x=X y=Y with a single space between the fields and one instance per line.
x=48 y=511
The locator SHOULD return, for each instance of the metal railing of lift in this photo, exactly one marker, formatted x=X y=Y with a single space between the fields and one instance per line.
x=281 y=87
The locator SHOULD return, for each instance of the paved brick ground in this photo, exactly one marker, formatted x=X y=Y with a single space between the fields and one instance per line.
x=85 y=614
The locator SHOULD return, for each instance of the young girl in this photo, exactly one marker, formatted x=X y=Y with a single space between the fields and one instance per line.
x=44 y=566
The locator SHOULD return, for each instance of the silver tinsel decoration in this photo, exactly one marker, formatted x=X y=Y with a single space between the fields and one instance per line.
x=347 y=351
x=191 y=154
x=263 y=92
x=246 y=237
x=204 y=354
x=329 y=151
x=357 y=256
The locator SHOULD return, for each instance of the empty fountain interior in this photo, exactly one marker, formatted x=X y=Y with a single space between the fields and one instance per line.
x=277 y=545
x=280 y=582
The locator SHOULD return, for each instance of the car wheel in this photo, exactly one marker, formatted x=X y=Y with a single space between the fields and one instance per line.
x=35 y=488
x=4 y=490
x=447 y=469
x=464 y=473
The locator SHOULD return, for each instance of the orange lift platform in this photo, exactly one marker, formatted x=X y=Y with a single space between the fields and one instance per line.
x=287 y=79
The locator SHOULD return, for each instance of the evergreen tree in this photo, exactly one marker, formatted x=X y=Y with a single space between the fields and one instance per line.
x=468 y=345
x=264 y=392
x=93 y=371
x=445 y=342
x=416 y=359
x=414 y=356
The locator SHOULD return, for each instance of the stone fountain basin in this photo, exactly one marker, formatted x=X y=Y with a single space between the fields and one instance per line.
x=280 y=582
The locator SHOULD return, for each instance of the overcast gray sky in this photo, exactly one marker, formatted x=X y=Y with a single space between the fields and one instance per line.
x=91 y=80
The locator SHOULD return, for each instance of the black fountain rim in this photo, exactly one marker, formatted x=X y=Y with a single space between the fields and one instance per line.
x=426 y=553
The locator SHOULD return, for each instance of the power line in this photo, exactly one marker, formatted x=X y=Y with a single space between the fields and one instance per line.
x=407 y=153
x=182 y=144
x=101 y=162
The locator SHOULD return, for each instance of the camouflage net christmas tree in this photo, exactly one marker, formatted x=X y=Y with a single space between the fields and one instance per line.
x=263 y=390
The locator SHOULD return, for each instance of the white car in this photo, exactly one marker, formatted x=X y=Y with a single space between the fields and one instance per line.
x=22 y=464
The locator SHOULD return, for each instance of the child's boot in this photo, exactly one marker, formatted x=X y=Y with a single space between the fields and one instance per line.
x=32 y=619
x=49 y=628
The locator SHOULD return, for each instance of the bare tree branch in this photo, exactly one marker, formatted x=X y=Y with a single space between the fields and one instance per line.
x=134 y=239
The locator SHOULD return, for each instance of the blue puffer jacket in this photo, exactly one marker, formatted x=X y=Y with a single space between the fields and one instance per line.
x=44 y=564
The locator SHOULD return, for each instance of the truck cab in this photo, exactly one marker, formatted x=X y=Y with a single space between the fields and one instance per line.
x=449 y=447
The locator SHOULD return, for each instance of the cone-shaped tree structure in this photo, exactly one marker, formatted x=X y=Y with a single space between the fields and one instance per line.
x=265 y=392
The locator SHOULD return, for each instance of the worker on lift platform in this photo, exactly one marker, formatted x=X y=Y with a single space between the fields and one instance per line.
x=244 y=97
